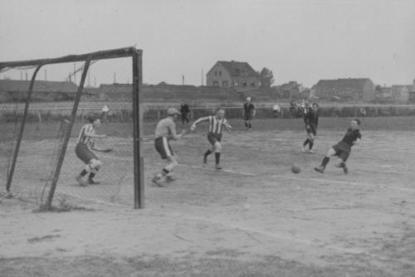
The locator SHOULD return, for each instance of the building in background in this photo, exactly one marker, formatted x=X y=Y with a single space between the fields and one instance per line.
x=400 y=93
x=233 y=74
x=351 y=89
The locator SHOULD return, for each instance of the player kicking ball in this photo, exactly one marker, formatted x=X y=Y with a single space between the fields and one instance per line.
x=217 y=123
x=164 y=133
x=311 y=116
x=84 y=150
x=343 y=148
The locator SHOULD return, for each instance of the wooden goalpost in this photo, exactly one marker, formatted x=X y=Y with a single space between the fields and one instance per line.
x=136 y=56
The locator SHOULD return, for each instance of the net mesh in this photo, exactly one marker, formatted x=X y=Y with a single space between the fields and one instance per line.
x=45 y=128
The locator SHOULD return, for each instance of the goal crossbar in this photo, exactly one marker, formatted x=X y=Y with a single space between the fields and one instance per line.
x=98 y=55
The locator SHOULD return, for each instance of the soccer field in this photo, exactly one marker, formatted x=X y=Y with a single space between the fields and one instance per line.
x=253 y=218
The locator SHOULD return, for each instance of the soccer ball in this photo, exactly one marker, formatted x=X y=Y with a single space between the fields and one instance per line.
x=295 y=169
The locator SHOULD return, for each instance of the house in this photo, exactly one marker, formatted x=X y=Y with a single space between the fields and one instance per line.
x=384 y=94
x=233 y=74
x=401 y=93
x=16 y=90
x=351 y=89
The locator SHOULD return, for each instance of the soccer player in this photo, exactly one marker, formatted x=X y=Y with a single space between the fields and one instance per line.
x=217 y=123
x=248 y=112
x=185 y=113
x=164 y=133
x=343 y=148
x=84 y=147
x=311 y=115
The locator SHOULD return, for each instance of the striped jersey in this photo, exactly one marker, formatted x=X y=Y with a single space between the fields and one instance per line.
x=85 y=135
x=215 y=125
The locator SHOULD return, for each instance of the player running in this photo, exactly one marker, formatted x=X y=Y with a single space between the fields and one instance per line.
x=343 y=148
x=84 y=147
x=311 y=115
x=217 y=123
x=248 y=112
x=164 y=133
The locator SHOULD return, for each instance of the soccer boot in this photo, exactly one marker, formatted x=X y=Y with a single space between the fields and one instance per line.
x=205 y=159
x=345 y=169
x=170 y=179
x=157 y=180
x=93 y=182
x=81 y=181
x=319 y=169
x=218 y=167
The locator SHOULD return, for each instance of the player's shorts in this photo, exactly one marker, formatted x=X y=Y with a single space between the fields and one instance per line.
x=213 y=138
x=163 y=147
x=248 y=117
x=311 y=129
x=84 y=153
x=185 y=117
x=342 y=150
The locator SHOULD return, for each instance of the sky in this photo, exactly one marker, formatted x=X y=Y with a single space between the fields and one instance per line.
x=299 y=40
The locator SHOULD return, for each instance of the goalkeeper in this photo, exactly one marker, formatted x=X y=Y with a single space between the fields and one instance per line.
x=84 y=150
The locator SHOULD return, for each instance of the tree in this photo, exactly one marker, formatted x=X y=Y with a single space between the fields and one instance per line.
x=267 y=77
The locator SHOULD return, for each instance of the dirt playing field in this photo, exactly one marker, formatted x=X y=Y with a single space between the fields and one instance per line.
x=254 y=218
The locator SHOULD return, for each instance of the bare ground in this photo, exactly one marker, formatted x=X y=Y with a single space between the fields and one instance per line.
x=255 y=218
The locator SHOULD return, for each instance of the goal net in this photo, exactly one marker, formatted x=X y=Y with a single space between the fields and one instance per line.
x=47 y=111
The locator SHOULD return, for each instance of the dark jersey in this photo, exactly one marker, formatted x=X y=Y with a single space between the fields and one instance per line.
x=351 y=136
x=311 y=117
x=249 y=108
x=184 y=109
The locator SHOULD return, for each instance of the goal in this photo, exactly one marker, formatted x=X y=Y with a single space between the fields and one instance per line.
x=65 y=130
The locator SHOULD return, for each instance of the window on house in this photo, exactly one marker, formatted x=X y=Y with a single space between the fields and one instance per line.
x=220 y=73
x=244 y=84
x=253 y=84
x=225 y=84
x=215 y=83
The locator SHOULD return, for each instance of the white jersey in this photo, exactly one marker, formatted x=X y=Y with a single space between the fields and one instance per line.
x=86 y=135
x=215 y=125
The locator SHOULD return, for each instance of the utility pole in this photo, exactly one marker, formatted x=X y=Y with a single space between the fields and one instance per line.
x=182 y=79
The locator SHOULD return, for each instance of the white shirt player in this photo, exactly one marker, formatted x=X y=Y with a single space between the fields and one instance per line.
x=216 y=124
x=87 y=134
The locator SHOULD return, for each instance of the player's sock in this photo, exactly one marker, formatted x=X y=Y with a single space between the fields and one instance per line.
x=91 y=176
x=217 y=158
x=207 y=153
x=246 y=124
x=250 y=125
x=306 y=142
x=310 y=144
x=83 y=173
x=325 y=161
x=165 y=172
